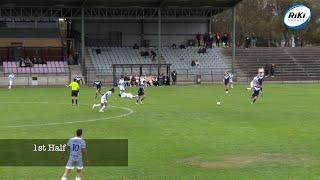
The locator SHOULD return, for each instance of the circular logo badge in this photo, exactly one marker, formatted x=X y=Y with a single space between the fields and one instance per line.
x=297 y=17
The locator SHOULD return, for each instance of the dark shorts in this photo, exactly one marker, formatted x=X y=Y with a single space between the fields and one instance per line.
x=141 y=94
x=74 y=93
x=226 y=81
x=98 y=88
x=256 y=93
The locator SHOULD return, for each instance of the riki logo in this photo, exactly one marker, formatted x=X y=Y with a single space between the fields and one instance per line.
x=300 y=15
x=297 y=17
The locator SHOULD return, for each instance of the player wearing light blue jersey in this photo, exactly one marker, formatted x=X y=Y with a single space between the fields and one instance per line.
x=78 y=152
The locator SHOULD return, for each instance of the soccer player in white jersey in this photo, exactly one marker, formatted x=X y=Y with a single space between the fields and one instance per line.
x=78 y=152
x=104 y=100
x=121 y=85
x=226 y=80
x=10 y=79
x=231 y=80
x=128 y=95
x=256 y=85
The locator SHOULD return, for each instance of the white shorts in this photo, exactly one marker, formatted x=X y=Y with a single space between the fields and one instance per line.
x=121 y=88
x=10 y=83
x=127 y=95
x=74 y=164
x=103 y=101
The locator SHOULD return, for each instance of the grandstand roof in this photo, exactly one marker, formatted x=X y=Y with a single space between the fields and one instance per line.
x=120 y=3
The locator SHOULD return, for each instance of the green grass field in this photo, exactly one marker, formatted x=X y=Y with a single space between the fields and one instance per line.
x=179 y=132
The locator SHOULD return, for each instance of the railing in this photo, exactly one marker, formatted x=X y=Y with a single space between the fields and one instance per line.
x=207 y=75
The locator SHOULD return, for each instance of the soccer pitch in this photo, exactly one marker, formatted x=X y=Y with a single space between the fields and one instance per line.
x=178 y=133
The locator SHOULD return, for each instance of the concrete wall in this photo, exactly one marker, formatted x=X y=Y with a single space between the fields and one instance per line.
x=31 y=42
x=172 y=31
x=42 y=81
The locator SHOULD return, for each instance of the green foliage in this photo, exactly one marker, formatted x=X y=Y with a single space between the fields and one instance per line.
x=265 y=19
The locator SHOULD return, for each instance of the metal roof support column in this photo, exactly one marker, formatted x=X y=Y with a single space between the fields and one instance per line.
x=210 y=25
x=82 y=41
x=233 y=37
x=159 y=32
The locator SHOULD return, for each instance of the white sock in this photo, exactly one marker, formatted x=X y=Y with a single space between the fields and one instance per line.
x=96 y=105
x=102 y=108
x=78 y=178
x=64 y=178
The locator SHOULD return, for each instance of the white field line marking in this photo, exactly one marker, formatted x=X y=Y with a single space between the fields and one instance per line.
x=129 y=112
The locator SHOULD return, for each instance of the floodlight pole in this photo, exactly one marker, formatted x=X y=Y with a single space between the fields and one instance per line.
x=159 y=33
x=82 y=41
x=210 y=25
x=233 y=37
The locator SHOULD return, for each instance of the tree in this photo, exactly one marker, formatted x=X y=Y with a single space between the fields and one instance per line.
x=265 y=18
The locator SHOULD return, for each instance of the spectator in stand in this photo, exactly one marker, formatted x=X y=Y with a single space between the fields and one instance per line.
x=144 y=53
x=133 y=80
x=174 y=46
x=127 y=80
x=253 y=40
x=137 y=78
x=197 y=63
x=161 y=79
x=293 y=43
x=201 y=41
x=21 y=62
x=182 y=46
x=142 y=80
x=202 y=50
x=42 y=61
x=149 y=80
x=153 y=55
x=223 y=40
x=198 y=37
x=155 y=81
x=193 y=63
x=218 y=39
x=35 y=61
x=28 y=62
x=226 y=39
x=210 y=40
x=206 y=40
x=301 y=41
x=248 y=41
x=135 y=46
x=272 y=67
x=174 y=77
x=166 y=80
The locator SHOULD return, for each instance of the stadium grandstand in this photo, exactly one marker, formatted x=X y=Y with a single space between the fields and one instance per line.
x=86 y=37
